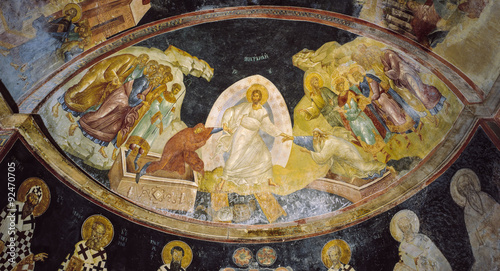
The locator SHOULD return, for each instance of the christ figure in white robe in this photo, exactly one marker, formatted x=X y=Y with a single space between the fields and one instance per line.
x=250 y=160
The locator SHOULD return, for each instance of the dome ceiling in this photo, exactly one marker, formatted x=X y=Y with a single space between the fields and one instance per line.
x=356 y=110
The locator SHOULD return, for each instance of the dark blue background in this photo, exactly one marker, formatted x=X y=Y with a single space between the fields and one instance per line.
x=372 y=245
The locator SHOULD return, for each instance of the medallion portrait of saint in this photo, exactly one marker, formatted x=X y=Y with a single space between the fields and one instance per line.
x=336 y=255
x=176 y=256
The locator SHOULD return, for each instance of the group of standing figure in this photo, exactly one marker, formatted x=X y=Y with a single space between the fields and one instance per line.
x=122 y=100
x=369 y=107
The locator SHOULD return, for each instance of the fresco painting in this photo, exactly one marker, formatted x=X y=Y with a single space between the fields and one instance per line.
x=367 y=116
x=336 y=255
x=480 y=215
x=404 y=98
x=97 y=233
x=288 y=137
x=420 y=242
x=40 y=40
x=177 y=256
x=417 y=251
x=32 y=201
x=263 y=259
x=449 y=28
x=93 y=96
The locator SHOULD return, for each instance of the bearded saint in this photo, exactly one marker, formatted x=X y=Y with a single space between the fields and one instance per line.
x=482 y=220
x=176 y=263
x=335 y=253
x=89 y=254
x=21 y=215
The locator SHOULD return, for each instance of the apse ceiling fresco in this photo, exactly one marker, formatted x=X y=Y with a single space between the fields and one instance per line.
x=257 y=120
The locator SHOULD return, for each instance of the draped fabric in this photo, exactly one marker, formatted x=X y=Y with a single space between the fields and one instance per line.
x=250 y=160
x=86 y=258
x=180 y=150
x=22 y=235
x=115 y=114
x=344 y=159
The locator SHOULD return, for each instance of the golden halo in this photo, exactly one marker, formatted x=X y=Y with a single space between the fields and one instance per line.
x=308 y=80
x=460 y=175
x=78 y=11
x=336 y=80
x=344 y=247
x=356 y=67
x=263 y=91
x=87 y=228
x=353 y=68
x=395 y=231
x=43 y=205
x=166 y=253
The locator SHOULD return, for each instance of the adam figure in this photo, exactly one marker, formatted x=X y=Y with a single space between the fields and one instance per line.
x=342 y=156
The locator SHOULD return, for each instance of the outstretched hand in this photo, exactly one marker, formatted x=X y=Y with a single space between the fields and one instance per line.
x=286 y=137
x=41 y=256
x=302 y=149
x=226 y=129
x=116 y=81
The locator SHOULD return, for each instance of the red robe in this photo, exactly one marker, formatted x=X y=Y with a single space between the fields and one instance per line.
x=180 y=150
x=115 y=114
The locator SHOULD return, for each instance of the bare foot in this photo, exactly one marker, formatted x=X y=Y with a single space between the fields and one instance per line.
x=220 y=185
x=55 y=110
x=70 y=117
x=114 y=154
x=101 y=151
x=271 y=183
x=72 y=129
x=407 y=140
x=434 y=120
x=446 y=107
x=387 y=156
